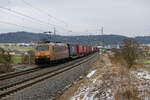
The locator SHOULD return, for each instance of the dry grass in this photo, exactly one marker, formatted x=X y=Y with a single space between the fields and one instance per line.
x=69 y=92
x=124 y=88
x=4 y=69
x=116 y=77
x=99 y=63
x=127 y=94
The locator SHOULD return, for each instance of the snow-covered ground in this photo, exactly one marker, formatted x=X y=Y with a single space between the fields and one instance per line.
x=142 y=74
x=93 y=89
x=90 y=94
x=144 y=83
x=90 y=91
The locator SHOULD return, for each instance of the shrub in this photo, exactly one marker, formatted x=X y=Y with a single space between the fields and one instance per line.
x=5 y=59
x=130 y=52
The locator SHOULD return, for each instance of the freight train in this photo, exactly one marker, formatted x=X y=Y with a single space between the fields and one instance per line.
x=51 y=52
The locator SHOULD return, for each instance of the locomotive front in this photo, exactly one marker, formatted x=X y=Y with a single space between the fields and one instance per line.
x=43 y=53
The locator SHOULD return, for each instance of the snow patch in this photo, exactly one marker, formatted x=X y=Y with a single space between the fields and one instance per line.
x=91 y=73
x=100 y=82
x=144 y=77
x=142 y=74
x=86 y=94
x=93 y=80
x=90 y=93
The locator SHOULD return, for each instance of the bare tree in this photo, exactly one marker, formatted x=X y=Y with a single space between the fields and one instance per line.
x=1 y=55
x=130 y=51
x=5 y=58
x=127 y=57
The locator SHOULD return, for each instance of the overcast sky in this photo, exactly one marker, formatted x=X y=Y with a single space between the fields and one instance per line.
x=78 y=17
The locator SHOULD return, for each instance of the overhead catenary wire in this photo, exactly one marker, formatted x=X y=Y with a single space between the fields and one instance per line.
x=8 y=23
x=49 y=15
x=29 y=20
x=17 y=24
x=27 y=16
x=42 y=11
x=34 y=20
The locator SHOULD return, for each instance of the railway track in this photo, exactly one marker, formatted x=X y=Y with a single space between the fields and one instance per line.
x=19 y=73
x=14 y=74
x=16 y=87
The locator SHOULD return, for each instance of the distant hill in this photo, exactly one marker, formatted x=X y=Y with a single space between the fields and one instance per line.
x=27 y=37
x=143 y=39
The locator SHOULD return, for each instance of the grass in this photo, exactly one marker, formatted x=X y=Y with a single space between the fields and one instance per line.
x=16 y=59
x=24 y=48
x=127 y=94
x=144 y=61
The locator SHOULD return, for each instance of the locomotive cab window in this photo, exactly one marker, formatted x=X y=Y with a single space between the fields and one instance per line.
x=42 y=48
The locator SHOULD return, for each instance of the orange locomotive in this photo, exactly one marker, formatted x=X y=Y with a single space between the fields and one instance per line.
x=49 y=52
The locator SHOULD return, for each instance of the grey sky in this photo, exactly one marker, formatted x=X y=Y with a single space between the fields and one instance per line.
x=125 y=17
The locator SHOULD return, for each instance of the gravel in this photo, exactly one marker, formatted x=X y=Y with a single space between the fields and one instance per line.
x=31 y=75
x=49 y=89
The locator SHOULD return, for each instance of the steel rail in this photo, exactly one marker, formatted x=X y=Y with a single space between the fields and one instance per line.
x=27 y=83
x=14 y=74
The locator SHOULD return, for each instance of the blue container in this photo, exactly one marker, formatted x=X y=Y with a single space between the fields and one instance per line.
x=72 y=50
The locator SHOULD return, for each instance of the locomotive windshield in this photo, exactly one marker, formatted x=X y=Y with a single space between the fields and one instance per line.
x=42 y=48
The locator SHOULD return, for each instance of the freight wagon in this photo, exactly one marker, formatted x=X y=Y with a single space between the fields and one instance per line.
x=79 y=50
x=72 y=50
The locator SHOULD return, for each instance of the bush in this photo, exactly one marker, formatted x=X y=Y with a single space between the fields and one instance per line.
x=127 y=57
x=5 y=59
x=130 y=52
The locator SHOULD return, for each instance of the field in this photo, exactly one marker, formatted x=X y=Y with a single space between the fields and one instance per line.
x=16 y=59
x=19 y=55
x=17 y=51
x=144 y=61
x=16 y=47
